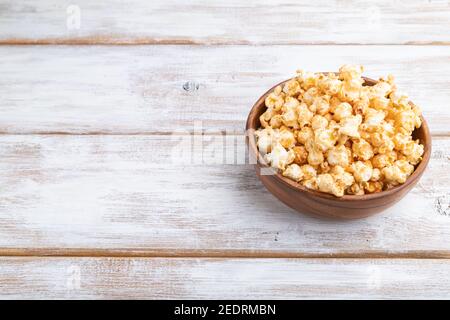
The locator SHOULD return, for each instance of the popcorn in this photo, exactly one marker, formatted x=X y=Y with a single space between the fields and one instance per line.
x=292 y=88
x=398 y=172
x=362 y=149
x=276 y=121
x=331 y=85
x=309 y=96
x=321 y=105
x=356 y=189
x=380 y=103
x=339 y=156
x=324 y=139
x=304 y=135
x=362 y=171
x=373 y=117
x=301 y=155
x=376 y=174
x=350 y=72
x=342 y=111
x=315 y=157
x=372 y=186
x=329 y=132
x=413 y=151
x=279 y=158
x=319 y=122
x=289 y=116
x=264 y=140
x=294 y=172
x=286 y=138
x=350 y=126
x=380 y=161
x=326 y=183
x=304 y=115
x=341 y=176
x=274 y=101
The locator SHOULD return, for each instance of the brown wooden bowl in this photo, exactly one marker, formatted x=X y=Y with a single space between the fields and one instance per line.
x=322 y=204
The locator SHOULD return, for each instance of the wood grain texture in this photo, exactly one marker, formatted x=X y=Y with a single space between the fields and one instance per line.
x=233 y=22
x=151 y=89
x=155 y=194
x=158 y=278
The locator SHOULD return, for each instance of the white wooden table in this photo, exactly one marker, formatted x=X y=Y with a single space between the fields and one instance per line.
x=93 y=203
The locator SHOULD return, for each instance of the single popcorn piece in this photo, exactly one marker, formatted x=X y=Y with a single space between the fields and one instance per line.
x=292 y=88
x=362 y=171
x=373 y=117
x=405 y=119
x=380 y=103
x=356 y=189
x=350 y=91
x=372 y=186
x=319 y=122
x=361 y=105
x=294 y=172
x=310 y=183
x=398 y=172
x=413 y=151
x=342 y=111
x=315 y=157
x=307 y=79
x=349 y=72
x=321 y=105
x=301 y=155
x=339 y=156
x=290 y=116
x=362 y=149
x=381 y=89
x=286 y=138
x=264 y=140
x=326 y=183
x=309 y=96
x=342 y=177
x=279 y=158
x=274 y=101
x=325 y=139
x=330 y=84
x=376 y=174
x=335 y=134
x=308 y=172
x=276 y=121
x=304 y=135
x=350 y=126
x=381 y=142
x=304 y=115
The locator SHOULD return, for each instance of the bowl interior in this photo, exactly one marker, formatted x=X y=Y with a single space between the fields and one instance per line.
x=253 y=123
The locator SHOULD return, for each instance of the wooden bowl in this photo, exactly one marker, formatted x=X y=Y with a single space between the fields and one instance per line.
x=322 y=204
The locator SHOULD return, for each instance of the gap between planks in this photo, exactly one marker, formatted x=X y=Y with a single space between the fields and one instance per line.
x=226 y=254
x=154 y=133
x=88 y=41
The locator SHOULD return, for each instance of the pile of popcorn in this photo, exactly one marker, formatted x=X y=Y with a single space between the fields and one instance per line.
x=332 y=133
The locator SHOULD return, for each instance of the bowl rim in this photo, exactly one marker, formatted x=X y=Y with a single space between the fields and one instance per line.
x=260 y=163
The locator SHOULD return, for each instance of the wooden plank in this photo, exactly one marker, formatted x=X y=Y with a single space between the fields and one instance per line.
x=148 y=89
x=162 y=278
x=153 y=195
x=233 y=22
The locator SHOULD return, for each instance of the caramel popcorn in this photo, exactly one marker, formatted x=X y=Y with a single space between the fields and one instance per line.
x=331 y=133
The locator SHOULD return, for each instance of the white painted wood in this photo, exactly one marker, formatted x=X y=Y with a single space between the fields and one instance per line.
x=235 y=21
x=135 y=193
x=139 y=89
x=158 y=278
